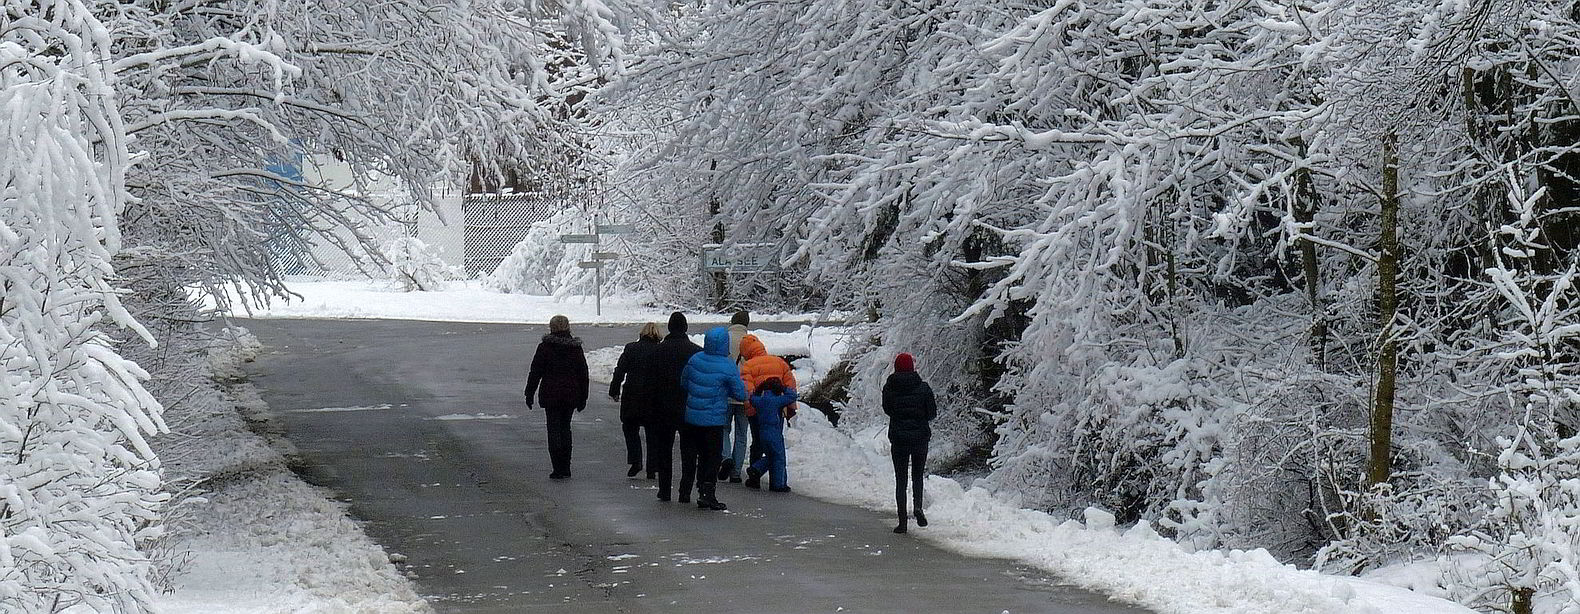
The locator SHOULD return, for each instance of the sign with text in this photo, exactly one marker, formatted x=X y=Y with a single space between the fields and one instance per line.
x=741 y=258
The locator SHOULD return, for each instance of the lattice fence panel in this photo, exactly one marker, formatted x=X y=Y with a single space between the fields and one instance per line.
x=495 y=223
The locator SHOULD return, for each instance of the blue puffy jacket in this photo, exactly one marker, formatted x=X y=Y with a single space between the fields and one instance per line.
x=712 y=379
x=770 y=408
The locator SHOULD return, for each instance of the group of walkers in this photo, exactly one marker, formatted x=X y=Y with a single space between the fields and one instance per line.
x=727 y=401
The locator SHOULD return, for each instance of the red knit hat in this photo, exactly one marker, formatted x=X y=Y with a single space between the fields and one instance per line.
x=904 y=362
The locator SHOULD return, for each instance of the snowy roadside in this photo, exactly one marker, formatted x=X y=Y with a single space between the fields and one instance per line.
x=259 y=540
x=1133 y=564
x=464 y=301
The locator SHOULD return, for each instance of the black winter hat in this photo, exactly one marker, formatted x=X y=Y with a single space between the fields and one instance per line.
x=677 y=323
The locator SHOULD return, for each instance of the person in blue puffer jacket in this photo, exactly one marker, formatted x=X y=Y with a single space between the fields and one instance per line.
x=774 y=402
x=712 y=380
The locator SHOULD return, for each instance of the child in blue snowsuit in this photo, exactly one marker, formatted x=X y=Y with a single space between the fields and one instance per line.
x=770 y=399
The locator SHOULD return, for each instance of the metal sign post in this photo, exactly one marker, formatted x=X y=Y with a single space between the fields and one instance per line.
x=599 y=257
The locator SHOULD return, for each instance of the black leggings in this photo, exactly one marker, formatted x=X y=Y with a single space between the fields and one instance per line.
x=913 y=458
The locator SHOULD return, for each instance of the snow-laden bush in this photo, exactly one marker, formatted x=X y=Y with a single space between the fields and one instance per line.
x=418 y=267
x=533 y=265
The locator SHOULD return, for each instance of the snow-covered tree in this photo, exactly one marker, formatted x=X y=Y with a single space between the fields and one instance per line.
x=418 y=267
x=1218 y=265
x=158 y=146
x=79 y=486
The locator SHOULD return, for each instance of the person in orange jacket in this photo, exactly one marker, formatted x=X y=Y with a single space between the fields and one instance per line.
x=757 y=367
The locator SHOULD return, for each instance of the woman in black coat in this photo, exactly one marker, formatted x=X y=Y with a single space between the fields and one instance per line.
x=559 y=378
x=635 y=372
x=910 y=405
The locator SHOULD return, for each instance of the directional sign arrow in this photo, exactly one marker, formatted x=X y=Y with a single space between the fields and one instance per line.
x=578 y=238
x=590 y=264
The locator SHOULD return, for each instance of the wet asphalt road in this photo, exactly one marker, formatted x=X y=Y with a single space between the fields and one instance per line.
x=372 y=407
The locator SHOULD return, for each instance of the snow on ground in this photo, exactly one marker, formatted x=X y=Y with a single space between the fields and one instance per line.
x=463 y=302
x=259 y=540
x=269 y=543
x=818 y=349
x=1131 y=564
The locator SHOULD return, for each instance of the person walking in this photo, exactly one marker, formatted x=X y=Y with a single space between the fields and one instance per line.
x=772 y=403
x=669 y=407
x=635 y=372
x=712 y=380
x=738 y=424
x=757 y=367
x=910 y=405
x=558 y=377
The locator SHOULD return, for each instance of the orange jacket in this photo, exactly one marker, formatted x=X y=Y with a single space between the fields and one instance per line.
x=759 y=365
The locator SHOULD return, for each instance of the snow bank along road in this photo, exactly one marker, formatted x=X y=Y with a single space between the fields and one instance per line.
x=421 y=428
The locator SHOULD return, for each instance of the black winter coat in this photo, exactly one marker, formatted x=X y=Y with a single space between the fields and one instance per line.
x=559 y=367
x=669 y=361
x=635 y=373
x=910 y=405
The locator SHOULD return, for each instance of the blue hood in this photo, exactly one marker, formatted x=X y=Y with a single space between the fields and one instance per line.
x=717 y=342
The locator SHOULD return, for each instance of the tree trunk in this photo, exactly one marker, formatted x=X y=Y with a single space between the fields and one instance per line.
x=720 y=287
x=1305 y=211
x=1381 y=462
x=1521 y=602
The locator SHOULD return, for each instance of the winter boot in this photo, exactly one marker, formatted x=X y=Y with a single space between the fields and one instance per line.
x=726 y=467
x=921 y=519
x=754 y=477
x=710 y=503
x=784 y=489
x=635 y=469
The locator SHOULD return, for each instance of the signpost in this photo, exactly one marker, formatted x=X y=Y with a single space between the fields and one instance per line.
x=598 y=258
x=741 y=257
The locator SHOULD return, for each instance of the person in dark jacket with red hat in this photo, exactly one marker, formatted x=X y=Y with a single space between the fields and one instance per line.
x=558 y=378
x=669 y=406
x=910 y=405
x=632 y=386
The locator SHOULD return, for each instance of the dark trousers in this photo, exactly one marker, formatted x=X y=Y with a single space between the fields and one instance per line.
x=633 y=442
x=699 y=447
x=661 y=454
x=559 y=419
x=911 y=458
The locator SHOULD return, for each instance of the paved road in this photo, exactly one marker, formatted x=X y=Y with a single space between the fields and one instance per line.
x=470 y=503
